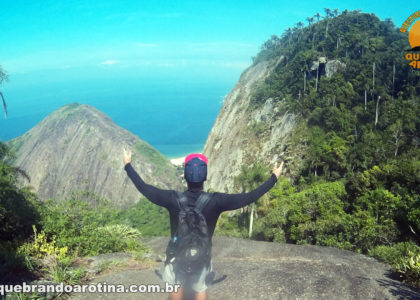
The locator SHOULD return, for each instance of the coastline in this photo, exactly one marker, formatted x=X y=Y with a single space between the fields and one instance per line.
x=177 y=161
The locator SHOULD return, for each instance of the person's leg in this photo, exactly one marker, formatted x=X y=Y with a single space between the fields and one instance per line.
x=202 y=284
x=177 y=295
x=201 y=296
x=168 y=276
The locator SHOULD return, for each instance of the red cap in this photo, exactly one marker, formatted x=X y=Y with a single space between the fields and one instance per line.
x=198 y=155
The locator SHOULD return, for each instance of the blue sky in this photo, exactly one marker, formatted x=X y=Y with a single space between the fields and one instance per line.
x=215 y=36
x=62 y=51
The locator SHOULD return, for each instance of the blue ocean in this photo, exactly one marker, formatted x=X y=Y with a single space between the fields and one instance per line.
x=174 y=115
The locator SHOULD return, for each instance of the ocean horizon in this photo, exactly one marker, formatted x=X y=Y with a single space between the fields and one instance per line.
x=174 y=116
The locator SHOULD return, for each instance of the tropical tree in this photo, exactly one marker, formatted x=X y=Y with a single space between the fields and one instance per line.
x=328 y=12
x=250 y=178
x=300 y=24
x=288 y=34
x=310 y=20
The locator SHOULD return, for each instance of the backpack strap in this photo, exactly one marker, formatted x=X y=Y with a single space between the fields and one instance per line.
x=181 y=199
x=202 y=201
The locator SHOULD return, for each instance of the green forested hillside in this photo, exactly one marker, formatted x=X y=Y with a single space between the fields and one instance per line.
x=358 y=187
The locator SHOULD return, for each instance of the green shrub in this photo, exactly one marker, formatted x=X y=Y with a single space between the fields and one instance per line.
x=409 y=268
x=126 y=237
x=87 y=228
x=40 y=247
x=391 y=254
x=60 y=270
x=17 y=210
x=150 y=219
x=11 y=262
x=404 y=258
x=235 y=226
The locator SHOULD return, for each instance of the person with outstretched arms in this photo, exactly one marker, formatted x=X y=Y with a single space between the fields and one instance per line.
x=193 y=216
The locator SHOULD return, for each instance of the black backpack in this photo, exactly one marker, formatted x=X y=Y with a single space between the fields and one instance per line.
x=190 y=249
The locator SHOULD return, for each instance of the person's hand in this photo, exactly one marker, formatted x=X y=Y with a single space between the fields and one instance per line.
x=127 y=156
x=278 y=170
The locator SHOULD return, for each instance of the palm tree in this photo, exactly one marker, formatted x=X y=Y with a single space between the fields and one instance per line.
x=317 y=16
x=250 y=178
x=3 y=77
x=299 y=25
x=310 y=20
x=288 y=34
x=328 y=12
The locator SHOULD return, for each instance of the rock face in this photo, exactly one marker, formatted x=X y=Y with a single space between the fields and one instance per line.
x=327 y=67
x=78 y=148
x=244 y=134
x=264 y=270
x=241 y=135
x=334 y=66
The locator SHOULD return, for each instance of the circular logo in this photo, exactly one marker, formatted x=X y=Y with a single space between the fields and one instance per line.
x=414 y=35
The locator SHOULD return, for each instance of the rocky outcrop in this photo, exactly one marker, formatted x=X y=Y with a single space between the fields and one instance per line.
x=78 y=148
x=247 y=269
x=326 y=67
x=243 y=136
x=334 y=66
x=316 y=64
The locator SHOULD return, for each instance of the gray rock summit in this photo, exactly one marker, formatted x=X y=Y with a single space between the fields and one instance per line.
x=264 y=270
x=78 y=148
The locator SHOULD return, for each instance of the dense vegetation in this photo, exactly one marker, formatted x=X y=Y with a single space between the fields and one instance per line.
x=33 y=231
x=358 y=187
x=43 y=239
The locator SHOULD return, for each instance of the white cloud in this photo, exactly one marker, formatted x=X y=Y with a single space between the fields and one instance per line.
x=109 y=62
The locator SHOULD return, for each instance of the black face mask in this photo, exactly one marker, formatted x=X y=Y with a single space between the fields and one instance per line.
x=195 y=170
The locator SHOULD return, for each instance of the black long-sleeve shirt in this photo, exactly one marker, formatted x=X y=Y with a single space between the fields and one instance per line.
x=218 y=203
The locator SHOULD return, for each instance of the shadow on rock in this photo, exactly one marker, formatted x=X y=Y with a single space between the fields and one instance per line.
x=397 y=289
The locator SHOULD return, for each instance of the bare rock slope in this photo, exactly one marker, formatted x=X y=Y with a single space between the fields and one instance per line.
x=78 y=148
x=245 y=133
x=264 y=270
x=242 y=135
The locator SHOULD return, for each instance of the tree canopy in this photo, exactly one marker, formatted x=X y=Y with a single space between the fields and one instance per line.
x=357 y=103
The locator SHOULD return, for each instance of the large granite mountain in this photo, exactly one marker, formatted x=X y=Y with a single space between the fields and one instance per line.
x=350 y=61
x=240 y=135
x=78 y=148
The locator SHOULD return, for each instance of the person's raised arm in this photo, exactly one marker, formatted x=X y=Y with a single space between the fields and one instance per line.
x=155 y=195
x=235 y=201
